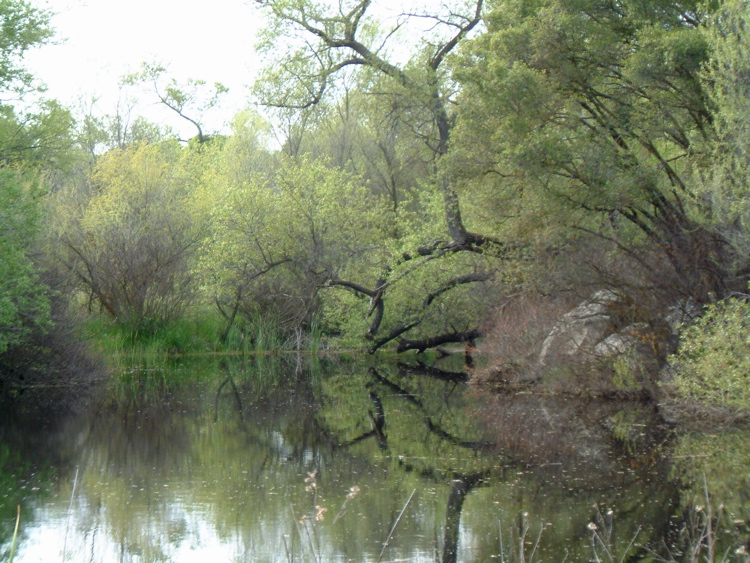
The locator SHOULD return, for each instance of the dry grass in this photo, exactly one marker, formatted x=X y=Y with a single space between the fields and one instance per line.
x=518 y=328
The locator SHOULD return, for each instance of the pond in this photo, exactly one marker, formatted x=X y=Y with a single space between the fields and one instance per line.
x=281 y=459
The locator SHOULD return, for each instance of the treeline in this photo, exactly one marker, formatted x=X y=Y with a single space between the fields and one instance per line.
x=524 y=152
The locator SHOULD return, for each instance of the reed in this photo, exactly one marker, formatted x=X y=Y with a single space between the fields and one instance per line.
x=15 y=536
x=519 y=555
x=395 y=524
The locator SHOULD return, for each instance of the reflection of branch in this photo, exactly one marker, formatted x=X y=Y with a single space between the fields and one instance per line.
x=460 y=487
x=377 y=420
x=436 y=373
x=358 y=439
x=229 y=380
x=420 y=316
x=431 y=426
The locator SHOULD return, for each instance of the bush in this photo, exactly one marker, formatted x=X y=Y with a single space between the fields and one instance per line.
x=713 y=359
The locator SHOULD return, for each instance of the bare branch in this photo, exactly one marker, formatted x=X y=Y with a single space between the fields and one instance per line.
x=442 y=52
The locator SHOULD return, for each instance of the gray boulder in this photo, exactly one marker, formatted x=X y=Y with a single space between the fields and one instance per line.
x=577 y=334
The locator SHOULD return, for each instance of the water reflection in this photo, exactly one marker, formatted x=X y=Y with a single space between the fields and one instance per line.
x=263 y=461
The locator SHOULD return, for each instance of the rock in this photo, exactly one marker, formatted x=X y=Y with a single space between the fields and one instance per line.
x=620 y=342
x=682 y=313
x=576 y=335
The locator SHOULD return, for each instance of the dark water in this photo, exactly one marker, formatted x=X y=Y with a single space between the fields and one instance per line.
x=279 y=460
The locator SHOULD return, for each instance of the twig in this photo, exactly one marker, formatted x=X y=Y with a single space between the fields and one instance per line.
x=393 y=528
x=710 y=535
x=538 y=538
x=310 y=542
x=289 y=556
x=523 y=529
x=638 y=531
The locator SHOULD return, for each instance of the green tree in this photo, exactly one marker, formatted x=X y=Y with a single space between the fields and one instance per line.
x=314 y=47
x=726 y=169
x=23 y=27
x=278 y=238
x=97 y=132
x=40 y=137
x=588 y=118
x=33 y=146
x=359 y=134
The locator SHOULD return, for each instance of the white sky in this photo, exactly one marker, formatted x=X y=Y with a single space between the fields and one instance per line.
x=99 y=41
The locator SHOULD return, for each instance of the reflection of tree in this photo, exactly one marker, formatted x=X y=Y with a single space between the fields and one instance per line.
x=230 y=381
x=377 y=419
x=571 y=454
x=714 y=473
x=460 y=487
x=422 y=369
x=721 y=460
x=29 y=467
x=428 y=420
x=460 y=484
x=16 y=479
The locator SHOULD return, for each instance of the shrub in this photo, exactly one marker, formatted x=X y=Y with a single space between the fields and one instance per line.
x=713 y=359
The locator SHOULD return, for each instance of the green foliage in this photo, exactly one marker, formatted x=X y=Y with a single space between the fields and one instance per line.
x=40 y=138
x=22 y=26
x=576 y=121
x=129 y=239
x=389 y=122
x=195 y=334
x=725 y=170
x=279 y=235
x=713 y=360
x=35 y=147
x=583 y=117
x=24 y=303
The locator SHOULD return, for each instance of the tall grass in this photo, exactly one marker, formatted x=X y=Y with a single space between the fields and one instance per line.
x=200 y=335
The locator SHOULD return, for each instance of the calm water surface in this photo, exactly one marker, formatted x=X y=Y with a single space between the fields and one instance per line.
x=279 y=460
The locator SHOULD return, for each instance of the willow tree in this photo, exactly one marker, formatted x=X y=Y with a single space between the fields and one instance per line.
x=312 y=47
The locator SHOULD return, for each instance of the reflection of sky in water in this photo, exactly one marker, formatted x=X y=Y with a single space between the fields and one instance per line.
x=47 y=542
x=190 y=538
